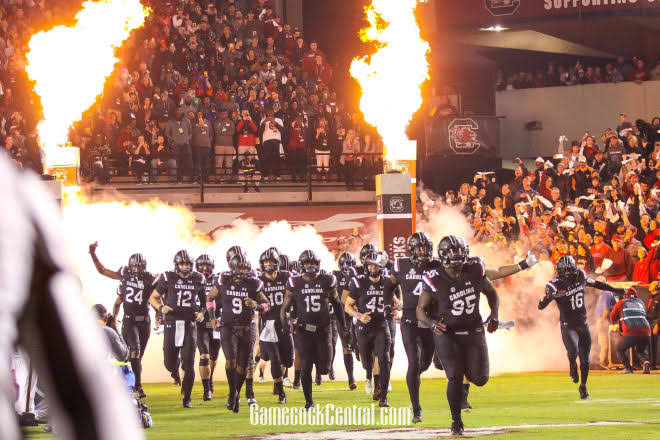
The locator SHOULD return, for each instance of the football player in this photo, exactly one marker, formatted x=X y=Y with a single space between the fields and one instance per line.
x=370 y=301
x=287 y=264
x=567 y=290
x=237 y=293
x=417 y=337
x=455 y=320
x=208 y=339
x=179 y=297
x=344 y=274
x=311 y=292
x=135 y=287
x=277 y=345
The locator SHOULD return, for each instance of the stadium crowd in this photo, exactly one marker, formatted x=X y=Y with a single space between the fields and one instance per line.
x=554 y=74
x=219 y=89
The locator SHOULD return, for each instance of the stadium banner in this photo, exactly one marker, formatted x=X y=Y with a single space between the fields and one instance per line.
x=465 y=135
x=487 y=12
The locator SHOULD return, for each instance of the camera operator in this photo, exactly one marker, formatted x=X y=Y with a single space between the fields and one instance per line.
x=118 y=348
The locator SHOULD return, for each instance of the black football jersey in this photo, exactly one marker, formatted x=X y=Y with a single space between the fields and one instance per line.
x=135 y=291
x=569 y=297
x=457 y=299
x=231 y=298
x=210 y=282
x=274 y=291
x=372 y=297
x=410 y=278
x=311 y=298
x=186 y=296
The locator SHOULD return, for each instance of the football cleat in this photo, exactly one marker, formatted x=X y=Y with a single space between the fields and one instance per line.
x=309 y=406
x=252 y=401
x=207 y=395
x=230 y=403
x=457 y=428
x=319 y=380
x=237 y=403
x=140 y=393
x=626 y=371
x=352 y=386
x=647 y=367
x=186 y=403
x=584 y=395
x=382 y=403
x=261 y=379
x=417 y=416
x=281 y=399
x=331 y=374
x=367 y=386
x=286 y=382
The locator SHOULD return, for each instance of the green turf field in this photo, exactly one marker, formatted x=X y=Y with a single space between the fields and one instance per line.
x=507 y=400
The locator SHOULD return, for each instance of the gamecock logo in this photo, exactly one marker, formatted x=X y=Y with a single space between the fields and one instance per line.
x=502 y=7
x=464 y=136
x=396 y=204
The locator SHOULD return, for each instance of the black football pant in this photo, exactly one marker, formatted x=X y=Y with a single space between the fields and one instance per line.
x=419 y=346
x=136 y=335
x=641 y=344
x=375 y=340
x=206 y=344
x=315 y=350
x=187 y=351
x=345 y=345
x=577 y=340
x=463 y=354
x=280 y=353
x=237 y=344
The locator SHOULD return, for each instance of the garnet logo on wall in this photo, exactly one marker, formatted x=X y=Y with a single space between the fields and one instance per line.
x=464 y=136
x=502 y=7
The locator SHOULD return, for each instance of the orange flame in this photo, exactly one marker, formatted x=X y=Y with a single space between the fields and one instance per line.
x=391 y=78
x=69 y=65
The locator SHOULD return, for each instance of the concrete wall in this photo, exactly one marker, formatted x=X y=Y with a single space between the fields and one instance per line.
x=570 y=111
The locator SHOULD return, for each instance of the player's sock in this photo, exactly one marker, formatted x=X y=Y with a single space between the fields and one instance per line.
x=231 y=376
x=249 y=392
x=307 y=387
x=454 y=398
x=369 y=374
x=239 y=379
x=376 y=380
x=384 y=382
x=296 y=379
x=206 y=383
x=584 y=372
x=413 y=382
x=348 y=363
x=279 y=387
x=136 y=365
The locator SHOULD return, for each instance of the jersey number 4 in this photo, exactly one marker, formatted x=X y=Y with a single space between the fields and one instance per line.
x=418 y=289
x=130 y=298
x=466 y=305
x=577 y=301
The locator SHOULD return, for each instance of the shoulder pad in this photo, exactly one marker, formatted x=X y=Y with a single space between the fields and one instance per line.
x=550 y=288
x=476 y=263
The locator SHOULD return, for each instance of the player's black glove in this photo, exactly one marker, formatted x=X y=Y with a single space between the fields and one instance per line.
x=492 y=323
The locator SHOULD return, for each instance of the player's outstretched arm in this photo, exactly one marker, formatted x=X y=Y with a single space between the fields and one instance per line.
x=511 y=269
x=99 y=266
x=604 y=286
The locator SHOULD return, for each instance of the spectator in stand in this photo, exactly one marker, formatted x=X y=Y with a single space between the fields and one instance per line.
x=599 y=250
x=630 y=314
x=249 y=171
x=298 y=148
x=179 y=133
x=202 y=140
x=322 y=150
x=350 y=151
x=622 y=264
x=247 y=134
x=641 y=73
x=224 y=130
x=164 y=157
x=271 y=129
x=140 y=160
